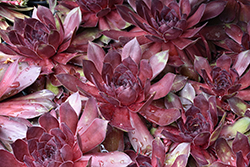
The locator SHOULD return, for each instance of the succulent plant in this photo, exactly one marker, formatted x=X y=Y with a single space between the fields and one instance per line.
x=121 y=83
x=102 y=14
x=42 y=39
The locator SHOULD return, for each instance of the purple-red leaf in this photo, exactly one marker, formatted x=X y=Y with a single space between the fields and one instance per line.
x=132 y=49
x=242 y=62
x=72 y=21
x=163 y=86
x=89 y=114
x=68 y=116
x=111 y=159
x=92 y=136
x=96 y=54
x=140 y=137
x=9 y=160
x=160 y=116
x=158 y=62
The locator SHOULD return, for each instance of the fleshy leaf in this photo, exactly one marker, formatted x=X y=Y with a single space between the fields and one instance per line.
x=238 y=106
x=68 y=116
x=166 y=83
x=242 y=62
x=119 y=117
x=9 y=160
x=195 y=18
x=26 y=107
x=224 y=152
x=75 y=102
x=92 y=136
x=132 y=49
x=89 y=114
x=202 y=63
x=160 y=116
x=48 y=122
x=72 y=21
x=179 y=83
x=224 y=62
x=96 y=54
x=158 y=152
x=111 y=159
x=140 y=137
x=158 y=62
x=188 y=92
x=20 y=149
x=213 y=9
x=20 y=78
x=241 y=143
x=12 y=129
x=181 y=149
x=242 y=125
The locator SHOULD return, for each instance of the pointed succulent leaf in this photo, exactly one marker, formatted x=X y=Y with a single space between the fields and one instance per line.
x=72 y=21
x=69 y=81
x=182 y=43
x=10 y=14
x=48 y=122
x=43 y=12
x=158 y=152
x=158 y=62
x=20 y=78
x=195 y=18
x=92 y=136
x=75 y=102
x=241 y=143
x=202 y=63
x=224 y=62
x=26 y=108
x=225 y=152
x=244 y=80
x=12 y=129
x=234 y=32
x=242 y=62
x=201 y=139
x=216 y=133
x=20 y=149
x=43 y=94
x=145 y=71
x=140 y=137
x=179 y=83
x=111 y=159
x=114 y=34
x=6 y=81
x=244 y=94
x=132 y=49
x=96 y=54
x=34 y=132
x=160 y=116
x=188 y=92
x=213 y=9
x=64 y=58
x=242 y=125
x=238 y=106
x=89 y=114
x=201 y=156
x=183 y=149
x=173 y=101
x=9 y=160
x=119 y=117
x=166 y=83
x=68 y=116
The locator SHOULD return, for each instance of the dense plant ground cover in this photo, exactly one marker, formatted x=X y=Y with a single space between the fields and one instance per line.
x=138 y=83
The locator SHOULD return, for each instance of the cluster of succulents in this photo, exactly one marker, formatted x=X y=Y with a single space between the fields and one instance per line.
x=116 y=83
